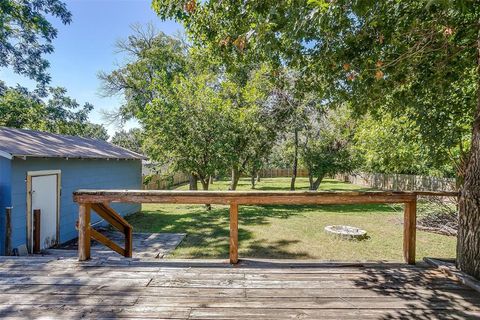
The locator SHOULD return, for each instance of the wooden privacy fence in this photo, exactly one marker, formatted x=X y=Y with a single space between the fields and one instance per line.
x=88 y=199
x=281 y=172
x=161 y=182
x=399 y=182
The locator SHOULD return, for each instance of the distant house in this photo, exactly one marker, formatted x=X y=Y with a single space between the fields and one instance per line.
x=40 y=170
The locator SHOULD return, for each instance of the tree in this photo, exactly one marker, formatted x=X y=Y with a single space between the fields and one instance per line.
x=19 y=108
x=414 y=58
x=253 y=126
x=26 y=36
x=174 y=97
x=152 y=58
x=131 y=139
x=325 y=146
x=294 y=108
x=61 y=114
x=189 y=134
x=392 y=145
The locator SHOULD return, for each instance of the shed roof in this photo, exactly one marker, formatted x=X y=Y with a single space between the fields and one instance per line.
x=29 y=143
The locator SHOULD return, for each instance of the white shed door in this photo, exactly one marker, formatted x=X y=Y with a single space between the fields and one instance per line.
x=44 y=197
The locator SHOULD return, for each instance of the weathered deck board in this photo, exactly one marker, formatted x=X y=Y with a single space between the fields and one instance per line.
x=45 y=287
x=246 y=313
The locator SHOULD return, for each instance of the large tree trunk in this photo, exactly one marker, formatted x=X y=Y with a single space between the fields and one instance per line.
x=193 y=182
x=295 y=162
x=468 y=238
x=235 y=178
x=205 y=183
x=252 y=179
x=310 y=179
x=315 y=183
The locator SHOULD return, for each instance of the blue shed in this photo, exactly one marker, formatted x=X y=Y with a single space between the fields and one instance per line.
x=40 y=170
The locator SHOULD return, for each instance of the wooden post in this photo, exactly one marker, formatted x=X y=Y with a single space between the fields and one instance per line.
x=128 y=242
x=409 y=231
x=84 y=232
x=233 y=233
x=36 y=230
x=8 y=231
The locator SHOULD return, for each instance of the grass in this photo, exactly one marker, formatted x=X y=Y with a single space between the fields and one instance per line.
x=289 y=231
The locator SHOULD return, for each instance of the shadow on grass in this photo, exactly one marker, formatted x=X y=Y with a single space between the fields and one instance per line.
x=285 y=211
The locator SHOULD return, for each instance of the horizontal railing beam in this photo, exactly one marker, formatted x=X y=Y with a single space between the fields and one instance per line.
x=245 y=198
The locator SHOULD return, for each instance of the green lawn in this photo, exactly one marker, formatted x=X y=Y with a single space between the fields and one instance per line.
x=289 y=231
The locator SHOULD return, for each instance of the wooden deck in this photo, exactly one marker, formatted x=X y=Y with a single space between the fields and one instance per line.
x=48 y=287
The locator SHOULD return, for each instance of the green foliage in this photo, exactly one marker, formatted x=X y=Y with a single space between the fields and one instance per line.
x=415 y=60
x=325 y=147
x=189 y=134
x=386 y=144
x=26 y=35
x=131 y=139
x=253 y=126
x=241 y=32
x=86 y=130
x=20 y=108
x=154 y=59
x=176 y=100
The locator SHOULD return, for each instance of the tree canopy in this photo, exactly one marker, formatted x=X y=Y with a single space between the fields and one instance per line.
x=383 y=56
x=131 y=139
x=57 y=113
x=26 y=36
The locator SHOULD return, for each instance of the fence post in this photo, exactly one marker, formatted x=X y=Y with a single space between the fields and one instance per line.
x=233 y=233
x=409 y=231
x=128 y=242
x=84 y=232
x=36 y=230
x=8 y=231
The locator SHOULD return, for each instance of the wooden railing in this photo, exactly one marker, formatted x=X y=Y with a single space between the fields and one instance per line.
x=86 y=232
x=95 y=198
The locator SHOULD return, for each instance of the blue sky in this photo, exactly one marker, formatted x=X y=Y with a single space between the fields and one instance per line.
x=86 y=46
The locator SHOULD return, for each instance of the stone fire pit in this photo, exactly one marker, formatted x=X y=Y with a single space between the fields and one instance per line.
x=346 y=232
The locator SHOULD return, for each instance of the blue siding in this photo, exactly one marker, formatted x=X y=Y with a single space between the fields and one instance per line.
x=75 y=174
x=5 y=197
